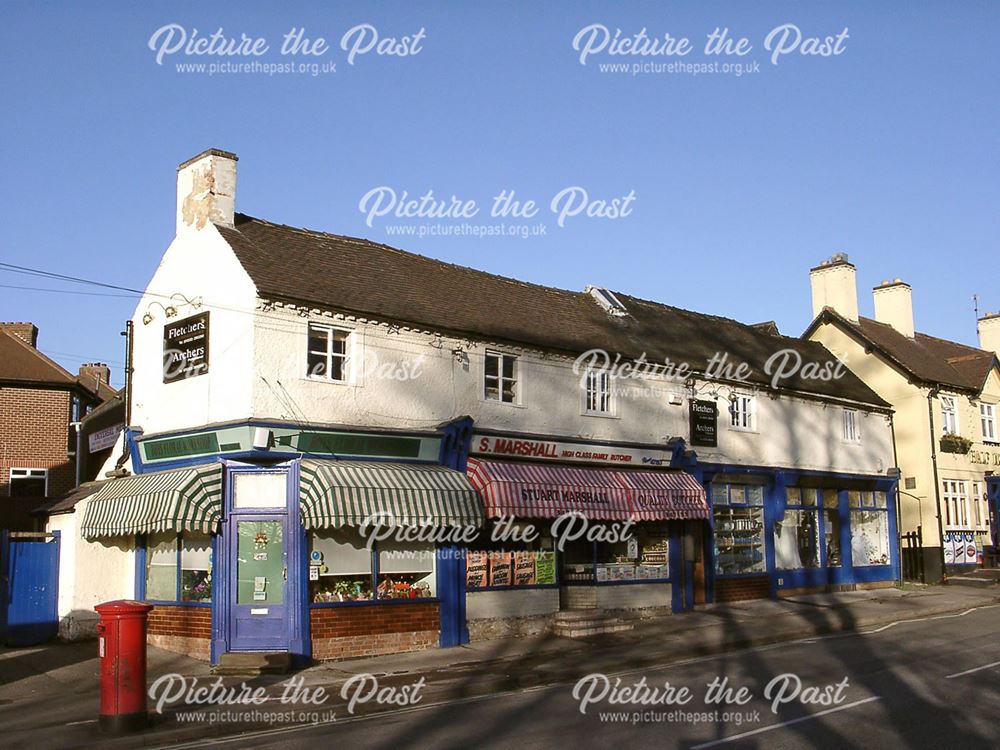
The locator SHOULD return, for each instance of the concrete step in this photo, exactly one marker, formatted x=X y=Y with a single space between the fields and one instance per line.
x=578 y=623
x=253 y=664
x=582 y=632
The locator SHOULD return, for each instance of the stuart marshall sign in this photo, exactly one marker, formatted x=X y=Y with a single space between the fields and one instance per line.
x=185 y=348
x=704 y=423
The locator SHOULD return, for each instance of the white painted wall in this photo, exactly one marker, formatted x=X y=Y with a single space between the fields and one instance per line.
x=89 y=573
x=791 y=432
x=197 y=264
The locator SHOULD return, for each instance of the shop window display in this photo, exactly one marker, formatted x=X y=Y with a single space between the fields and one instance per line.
x=738 y=513
x=510 y=561
x=796 y=535
x=179 y=568
x=870 y=531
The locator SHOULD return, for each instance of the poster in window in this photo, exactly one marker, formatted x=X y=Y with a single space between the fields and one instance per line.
x=704 y=423
x=476 y=569
x=185 y=348
x=524 y=568
x=500 y=568
x=545 y=568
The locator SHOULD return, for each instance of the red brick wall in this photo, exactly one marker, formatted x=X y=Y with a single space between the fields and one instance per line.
x=346 y=632
x=34 y=425
x=741 y=589
x=186 y=630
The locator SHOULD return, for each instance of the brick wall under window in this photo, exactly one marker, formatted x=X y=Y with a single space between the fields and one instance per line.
x=347 y=632
x=185 y=630
x=741 y=589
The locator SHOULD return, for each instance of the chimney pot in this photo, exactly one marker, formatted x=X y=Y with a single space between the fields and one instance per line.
x=834 y=285
x=27 y=332
x=206 y=190
x=894 y=306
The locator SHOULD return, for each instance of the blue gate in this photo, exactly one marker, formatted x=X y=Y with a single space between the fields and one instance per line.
x=29 y=587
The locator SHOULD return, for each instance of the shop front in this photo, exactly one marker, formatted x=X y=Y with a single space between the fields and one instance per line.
x=321 y=554
x=778 y=532
x=588 y=531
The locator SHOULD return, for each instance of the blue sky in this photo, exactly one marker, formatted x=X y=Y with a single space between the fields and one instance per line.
x=886 y=151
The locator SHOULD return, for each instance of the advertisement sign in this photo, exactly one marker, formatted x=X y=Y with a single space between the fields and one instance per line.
x=185 y=348
x=524 y=568
x=104 y=438
x=476 y=568
x=704 y=423
x=500 y=565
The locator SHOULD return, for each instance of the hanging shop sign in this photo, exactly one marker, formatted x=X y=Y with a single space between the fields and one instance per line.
x=554 y=450
x=704 y=423
x=185 y=348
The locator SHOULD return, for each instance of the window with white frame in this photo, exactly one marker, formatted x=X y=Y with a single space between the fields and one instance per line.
x=500 y=374
x=988 y=419
x=598 y=395
x=328 y=357
x=949 y=415
x=977 y=507
x=852 y=430
x=955 y=500
x=29 y=482
x=742 y=409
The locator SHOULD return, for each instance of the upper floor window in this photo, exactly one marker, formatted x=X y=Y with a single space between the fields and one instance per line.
x=328 y=353
x=598 y=396
x=852 y=431
x=500 y=377
x=988 y=418
x=29 y=482
x=949 y=415
x=742 y=410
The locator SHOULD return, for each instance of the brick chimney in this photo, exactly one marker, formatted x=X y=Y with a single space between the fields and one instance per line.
x=989 y=333
x=894 y=306
x=206 y=190
x=93 y=373
x=27 y=332
x=834 y=285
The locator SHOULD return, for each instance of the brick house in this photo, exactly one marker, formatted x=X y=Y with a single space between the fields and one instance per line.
x=39 y=401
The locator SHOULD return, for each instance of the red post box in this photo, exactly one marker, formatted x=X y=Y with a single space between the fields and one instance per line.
x=122 y=646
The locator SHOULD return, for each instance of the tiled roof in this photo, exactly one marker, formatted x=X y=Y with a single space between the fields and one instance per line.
x=22 y=363
x=925 y=358
x=371 y=279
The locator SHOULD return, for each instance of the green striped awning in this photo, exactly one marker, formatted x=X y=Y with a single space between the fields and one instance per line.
x=179 y=500
x=349 y=493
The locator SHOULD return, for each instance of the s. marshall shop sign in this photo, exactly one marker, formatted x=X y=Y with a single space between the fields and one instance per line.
x=554 y=450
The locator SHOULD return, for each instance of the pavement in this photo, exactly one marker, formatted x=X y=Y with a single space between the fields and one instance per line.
x=49 y=694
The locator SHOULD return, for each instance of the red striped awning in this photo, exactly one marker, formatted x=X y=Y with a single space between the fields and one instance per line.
x=665 y=495
x=539 y=491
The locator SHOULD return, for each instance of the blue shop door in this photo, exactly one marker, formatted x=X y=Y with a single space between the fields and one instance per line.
x=29 y=587
x=259 y=591
x=451 y=595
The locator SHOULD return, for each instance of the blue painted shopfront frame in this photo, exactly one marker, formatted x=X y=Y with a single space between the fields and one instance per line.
x=456 y=439
x=775 y=483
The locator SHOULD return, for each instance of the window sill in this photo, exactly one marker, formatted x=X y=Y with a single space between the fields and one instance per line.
x=599 y=414
x=505 y=404
x=328 y=381
x=749 y=430
x=159 y=603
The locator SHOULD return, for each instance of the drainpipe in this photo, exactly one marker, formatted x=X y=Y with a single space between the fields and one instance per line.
x=127 y=396
x=931 y=394
x=78 y=426
x=899 y=497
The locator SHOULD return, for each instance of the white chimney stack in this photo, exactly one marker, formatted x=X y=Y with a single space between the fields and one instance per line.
x=834 y=285
x=206 y=190
x=894 y=306
x=989 y=333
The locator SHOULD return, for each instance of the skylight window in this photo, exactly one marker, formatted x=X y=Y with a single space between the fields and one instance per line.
x=606 y=299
